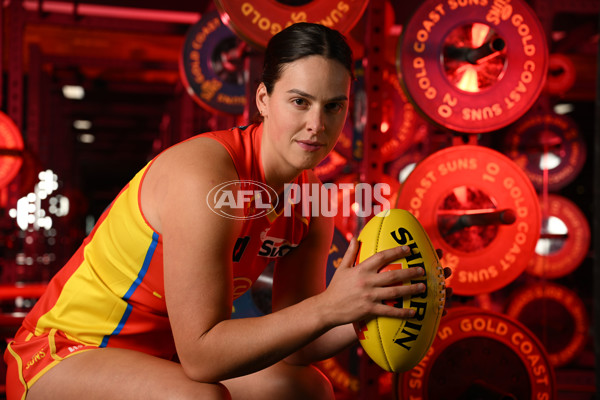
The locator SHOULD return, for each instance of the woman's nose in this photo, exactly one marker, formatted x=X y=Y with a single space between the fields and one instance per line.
x=316 y=121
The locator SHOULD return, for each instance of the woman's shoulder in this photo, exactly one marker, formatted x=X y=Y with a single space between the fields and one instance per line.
x=182 y=173
x=196 y=161
x=203 y=152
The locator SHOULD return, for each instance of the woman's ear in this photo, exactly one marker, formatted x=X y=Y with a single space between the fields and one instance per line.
x=261 y=99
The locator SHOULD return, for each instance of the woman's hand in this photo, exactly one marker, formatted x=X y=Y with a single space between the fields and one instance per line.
x=357 y=292
x=447 y=273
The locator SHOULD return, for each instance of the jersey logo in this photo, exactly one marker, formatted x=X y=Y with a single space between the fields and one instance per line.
x=240 y=286
x=270 y=248
x=240 y=246
x=274 y=247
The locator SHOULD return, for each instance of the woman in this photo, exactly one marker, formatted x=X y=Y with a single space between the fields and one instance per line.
x=157 y=277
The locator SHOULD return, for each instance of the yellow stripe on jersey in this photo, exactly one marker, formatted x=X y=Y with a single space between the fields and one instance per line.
x=93 y=302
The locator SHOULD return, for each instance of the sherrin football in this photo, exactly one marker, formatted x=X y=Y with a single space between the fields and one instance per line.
x=398 y=344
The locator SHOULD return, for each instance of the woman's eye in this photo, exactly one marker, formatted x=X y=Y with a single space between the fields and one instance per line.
x=335 y=107
x=299 y=102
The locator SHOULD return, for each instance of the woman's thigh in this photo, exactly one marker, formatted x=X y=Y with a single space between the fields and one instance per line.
x=282 y=381
x=111 y=373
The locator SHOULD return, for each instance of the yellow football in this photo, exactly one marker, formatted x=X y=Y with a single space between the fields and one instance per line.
x=397 y=344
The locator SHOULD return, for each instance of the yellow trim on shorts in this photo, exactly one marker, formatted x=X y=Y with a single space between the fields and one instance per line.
x=20 y=365
x=52 y=344
x=55 y=357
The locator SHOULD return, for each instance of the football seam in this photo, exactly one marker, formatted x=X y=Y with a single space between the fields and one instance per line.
x=385 y=354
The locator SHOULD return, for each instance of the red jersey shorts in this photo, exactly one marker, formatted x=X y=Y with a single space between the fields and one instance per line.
x=28 y=357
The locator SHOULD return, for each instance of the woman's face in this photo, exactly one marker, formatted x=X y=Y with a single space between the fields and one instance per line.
x=305 y=113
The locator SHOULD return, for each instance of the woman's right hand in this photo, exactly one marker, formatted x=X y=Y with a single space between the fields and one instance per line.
x=360 y=291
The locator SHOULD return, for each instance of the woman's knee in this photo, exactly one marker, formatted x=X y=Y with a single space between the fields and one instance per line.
x=304 y=382
x=206 y=391
x=282 y=381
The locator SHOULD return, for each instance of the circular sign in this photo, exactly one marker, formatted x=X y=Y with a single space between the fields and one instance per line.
x=562 y=74
x=11 y=147
x=480 y=209
x=548 y=147
x=480 y=354
x=211 y=66
x=258 y=20
x=564 y=241
x=399 y=120
x=556 y=315
x=473 y=66
x=400 y=124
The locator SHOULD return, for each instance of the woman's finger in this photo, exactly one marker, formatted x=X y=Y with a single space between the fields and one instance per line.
x=350 y=255
x=397 y=276
x=384 y=257
x=440 y=253
x=447 y=272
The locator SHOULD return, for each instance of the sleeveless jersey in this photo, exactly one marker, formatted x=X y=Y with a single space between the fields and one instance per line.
x=111 y=292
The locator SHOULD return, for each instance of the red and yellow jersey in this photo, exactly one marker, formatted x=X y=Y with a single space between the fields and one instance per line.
x=111 y=292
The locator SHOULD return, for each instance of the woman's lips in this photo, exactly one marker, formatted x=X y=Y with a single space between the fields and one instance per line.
x=309 y=146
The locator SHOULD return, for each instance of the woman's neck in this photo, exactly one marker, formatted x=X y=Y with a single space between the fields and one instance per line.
x=278 y=171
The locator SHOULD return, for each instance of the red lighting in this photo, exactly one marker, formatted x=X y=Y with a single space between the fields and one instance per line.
x=112 y=12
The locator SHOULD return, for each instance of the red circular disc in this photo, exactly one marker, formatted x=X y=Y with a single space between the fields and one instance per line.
x=11 y=145
x=257 y=21
x=399 y=122
x=480 y=354
x=473 y=66
x=564 y=240
x=561 y=74
x=556 y=315
x=548 y=147
x=211 y=66
x=480 y=209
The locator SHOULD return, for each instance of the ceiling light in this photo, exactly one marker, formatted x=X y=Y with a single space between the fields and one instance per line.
x=86 y=138
x=563 y=108
x=73 y=92
x=82 y=124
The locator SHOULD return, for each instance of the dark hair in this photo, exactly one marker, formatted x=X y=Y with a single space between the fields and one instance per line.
x=301 y=40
